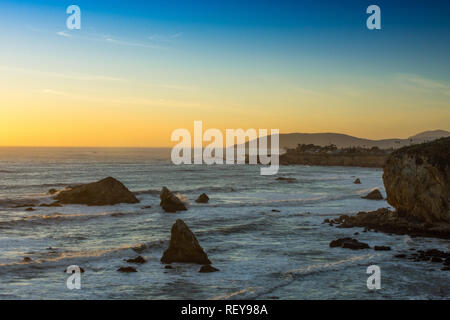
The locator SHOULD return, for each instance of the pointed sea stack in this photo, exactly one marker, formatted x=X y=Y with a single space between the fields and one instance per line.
x=184 y=246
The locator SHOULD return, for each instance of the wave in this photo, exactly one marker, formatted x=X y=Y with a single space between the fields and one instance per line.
x=83 y=256
x=285 y=202
x=45 y=219
x=156 y=192
x=17 y=203
x=290 y=277
x=42 y=185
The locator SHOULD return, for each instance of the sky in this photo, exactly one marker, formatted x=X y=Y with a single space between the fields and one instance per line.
x=138 y=70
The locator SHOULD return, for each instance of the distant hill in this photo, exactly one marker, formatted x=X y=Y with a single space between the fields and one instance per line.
x=291 y=140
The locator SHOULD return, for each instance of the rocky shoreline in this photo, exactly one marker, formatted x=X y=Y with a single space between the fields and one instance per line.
x=387 y=221
x=367 y=161
x=417 y=182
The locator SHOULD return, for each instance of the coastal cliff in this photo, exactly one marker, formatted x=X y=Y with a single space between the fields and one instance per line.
x=331 y=155
x=417 y=181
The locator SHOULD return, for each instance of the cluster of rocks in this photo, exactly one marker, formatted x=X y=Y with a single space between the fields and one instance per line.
x=387 y=221
x=128 y=269
x=110 y=191
x=431 y=255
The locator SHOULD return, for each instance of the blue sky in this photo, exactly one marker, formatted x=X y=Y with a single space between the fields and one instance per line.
x=309 y=60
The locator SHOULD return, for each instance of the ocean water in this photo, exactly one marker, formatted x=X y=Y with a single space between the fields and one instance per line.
x=261 y=254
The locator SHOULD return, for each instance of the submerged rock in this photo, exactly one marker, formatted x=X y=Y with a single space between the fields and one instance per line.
x=30 y=209
x=286 y=179
x=382 y=248
x=208 y=268
x=374 y=195
x=203 y=198
x=51 y=205
x=108 y=191
x=184 y=246
x=417 y=181
x=349 y=243
x=357 y=181
x=52 y=191
x=27 y=259
x=170 y=202
x=127 y=269
x=138 y=259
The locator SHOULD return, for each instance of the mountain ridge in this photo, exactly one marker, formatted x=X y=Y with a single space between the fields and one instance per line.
x=341 y=140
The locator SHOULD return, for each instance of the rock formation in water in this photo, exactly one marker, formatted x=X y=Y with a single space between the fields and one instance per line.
x=374 y=195
x=184 y=246
x=170 y=202
x=127 y=269
x=108 y=191
x=417 y=181
x=203 y=198
x=207 y=269
x=138 y=260
x=349 y=243
x=357 y=181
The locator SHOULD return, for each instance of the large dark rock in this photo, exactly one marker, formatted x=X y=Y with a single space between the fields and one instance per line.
x=357 y=181
x=417 y=181
x=108 y=191
x=374 y=195
x=184 y=246
x=203 y=198
x=170 y=202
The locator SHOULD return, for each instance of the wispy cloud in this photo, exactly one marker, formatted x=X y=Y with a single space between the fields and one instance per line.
x=165 y=38
x=63 y=34
x=80 y=77
x=92 y=36
x=53 y=92
x=130 y=44
x=419 y=83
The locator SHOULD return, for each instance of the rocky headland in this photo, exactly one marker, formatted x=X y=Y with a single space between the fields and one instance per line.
x=417 y=182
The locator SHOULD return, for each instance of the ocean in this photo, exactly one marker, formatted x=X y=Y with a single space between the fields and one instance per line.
x=261 y=253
